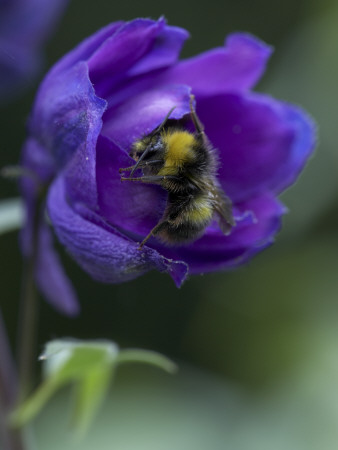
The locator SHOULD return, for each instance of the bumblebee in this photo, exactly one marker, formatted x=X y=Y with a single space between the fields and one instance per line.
x=185 y=165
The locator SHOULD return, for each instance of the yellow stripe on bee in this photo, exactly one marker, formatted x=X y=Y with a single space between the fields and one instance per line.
x=179 y=150
x=201 y=211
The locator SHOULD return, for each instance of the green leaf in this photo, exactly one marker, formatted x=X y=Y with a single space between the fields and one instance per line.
x=73 y=359
x=89 y=394
x=147 y=357
x=87 y=365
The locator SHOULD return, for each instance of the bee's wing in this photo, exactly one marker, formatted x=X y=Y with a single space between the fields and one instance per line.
x=223 y=208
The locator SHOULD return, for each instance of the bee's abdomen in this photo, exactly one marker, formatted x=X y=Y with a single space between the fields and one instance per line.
x=179 y=234
x=186 y=219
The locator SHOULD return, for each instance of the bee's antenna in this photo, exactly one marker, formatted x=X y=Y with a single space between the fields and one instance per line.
x=159 y=128
x=146 y=151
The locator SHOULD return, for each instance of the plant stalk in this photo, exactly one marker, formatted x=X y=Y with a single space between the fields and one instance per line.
x=28 y=316
x=9 y=439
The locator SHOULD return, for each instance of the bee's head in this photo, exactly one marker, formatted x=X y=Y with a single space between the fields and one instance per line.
x=147 y=146
x=152 y=143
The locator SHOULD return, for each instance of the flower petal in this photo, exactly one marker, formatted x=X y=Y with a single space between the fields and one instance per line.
x=303 y=146
x=86 y=48
x=35 y=158
x=214 y=251
x=262 y=143
x=139 y=46
x=101 y=250
x=17 y=66
x=67 y=120
x=141 y=114
x=29 y=22
x=51 y=278
x=164 y=52
x=24 y=26
x=132 y=207
x=236 y=67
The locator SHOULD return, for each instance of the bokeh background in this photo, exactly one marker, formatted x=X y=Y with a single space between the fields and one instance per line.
x=257 y=347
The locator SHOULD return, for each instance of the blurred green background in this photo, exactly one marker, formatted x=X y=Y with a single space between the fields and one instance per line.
x=257 y=347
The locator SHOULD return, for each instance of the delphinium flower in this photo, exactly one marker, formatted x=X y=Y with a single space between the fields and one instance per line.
x=24 y=27
x=110 y=91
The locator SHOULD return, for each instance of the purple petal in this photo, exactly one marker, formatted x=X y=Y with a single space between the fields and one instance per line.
x=51 y=278
x=215 y=251
x=67 y=118
x=236 y=67
x=144 y=112
x=36 y=159
x=164 y=52
x=133 y=207
x=263 y=143
x=87 y=47
x=28 y=22
x=137 y=47
x=24 y=26
x=124 y=48
x=17 y=66
x=303 y=145
x=101 y=250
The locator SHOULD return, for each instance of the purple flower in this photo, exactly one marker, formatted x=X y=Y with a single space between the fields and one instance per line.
x=24 y=26
x=117 y=86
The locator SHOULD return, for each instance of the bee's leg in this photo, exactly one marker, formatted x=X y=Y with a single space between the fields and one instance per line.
x=196 y=121
x=154 y=231
x=126 y=169
x=142 y=165
x=151 y=162
x=153 y=179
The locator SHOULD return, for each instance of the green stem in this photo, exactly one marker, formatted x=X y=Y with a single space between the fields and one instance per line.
x=10 y=439
x=27 y=329
x=28 y=312
x=12 y=391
